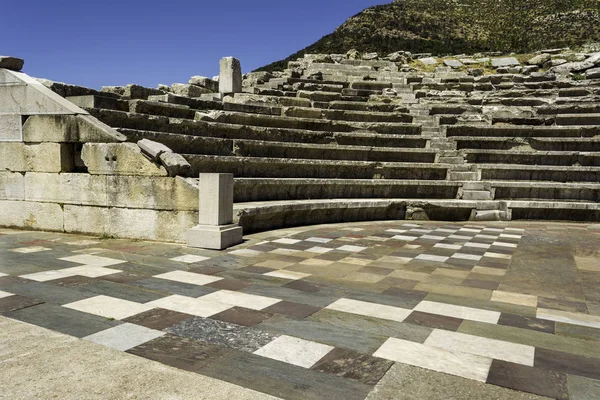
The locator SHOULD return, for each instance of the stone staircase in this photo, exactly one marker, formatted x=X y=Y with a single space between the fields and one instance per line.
x=360 y=140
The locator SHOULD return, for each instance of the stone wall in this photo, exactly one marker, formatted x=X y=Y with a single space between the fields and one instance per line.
x=63 y=170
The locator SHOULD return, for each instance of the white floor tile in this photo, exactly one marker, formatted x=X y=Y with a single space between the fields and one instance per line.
x=396 y=230
x=109 y=307
x=480 y=236
x=318 y=240
x=514 y=298
x=491 y=254
x=189 y=305
x=32 y=249
x=478 y=245
x=46 y=276
x=2 y=274
x=431 y=257
x=448 y=246
x=463 y=256
x=124 y=337
x=286 y=241
x=504 y=244
x=319 y=250
x=316 y=262
x=88 y=259
x=446 y=230
x=82 y=243
x=419 y=355
x=515 y=229
x=284 y=251
x=5 y=294
x=190 y=258
x=370 y=309
x=354 y=249
x=479 y=346
x=592 y=321
x=469 y=230
x=421 y=230
x=189 y=277
x=406 y=238
x=285 y=274
x=510 y=236
x=451 y=310
x=238 y=299
x=303 y=353
x=432 y=237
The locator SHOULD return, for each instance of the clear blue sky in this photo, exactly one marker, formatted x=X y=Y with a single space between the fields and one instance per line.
x=115 y=42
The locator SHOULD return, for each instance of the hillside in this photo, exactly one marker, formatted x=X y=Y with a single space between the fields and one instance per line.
x=461 y=26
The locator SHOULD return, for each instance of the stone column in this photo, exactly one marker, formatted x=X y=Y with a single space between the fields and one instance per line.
x=215 y=214
x=230 y=77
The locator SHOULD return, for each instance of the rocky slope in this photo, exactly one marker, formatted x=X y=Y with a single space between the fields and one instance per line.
x=462 y=26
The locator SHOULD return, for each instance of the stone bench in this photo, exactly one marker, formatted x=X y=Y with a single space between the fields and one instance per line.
x=270 y=189
x=262 y=167
x=558 y=158
x=521 y=131
x=532 y=173
x=539 y=144
x=548 y=191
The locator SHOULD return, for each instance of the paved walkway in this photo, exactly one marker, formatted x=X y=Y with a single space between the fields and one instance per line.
x=387 y=310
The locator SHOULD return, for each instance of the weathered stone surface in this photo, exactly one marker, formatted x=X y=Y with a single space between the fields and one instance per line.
x=152 y=149
x=204 y=82
x=66 y=188
x=256 y=78
x=188 y=90
x=505 y=62
x=175 y=164
x=68 y=129
x=230 y=77
x=155 y=193
x=138 y=92
x=40 y=157
x=540 y=59
x=118 y=159
x=370 y=56
x=428 y=61
x=132 y=223
x=12 y=63
x=10 y=128
x=593 y=73
x=12 y=186
x=453 y=63
x=31 y=215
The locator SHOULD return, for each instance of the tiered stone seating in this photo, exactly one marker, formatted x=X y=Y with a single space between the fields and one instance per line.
x=360 y=140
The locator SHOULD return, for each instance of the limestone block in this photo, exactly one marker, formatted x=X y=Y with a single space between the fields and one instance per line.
x=230 y=77
x=10 y=128
x=593 y=73
x=505 y=62
x=175 y=164
x=204 y=82
x=69 y=129
x=540 y=59
x=428 y=61
x=21 y=94
x=30 y=215
x=12 y=186
x=188 y=90
x=216 y=199
x=118 y=159
x=168 y=226
x=134 y=91
x=13 y=63
x=453 y=63
x=86 y=219
x=40 y=157
x=214 y=237
x=157 y=193
x=69 y=188
x=153 y=149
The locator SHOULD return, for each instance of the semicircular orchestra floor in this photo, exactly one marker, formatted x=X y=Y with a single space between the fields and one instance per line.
x=382 y=310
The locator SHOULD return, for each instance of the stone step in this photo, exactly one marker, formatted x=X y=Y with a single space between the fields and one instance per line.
x=272 y=189
x=197 y=104
x=578 y=119
x=537 y=144
x=547 y=191
x=99 y=101
x=499 y=172
x=350 y=116
x=368 y=106
x=370 y=85
x=463 y=175
x=297 y=168
x=476 y=195
x=522 y=131
x=575 y=108
x=161 y=109
x=318 y=125
x=451 y=160
x=248 y=148
x=361 y=92
x=182 y=143
x=557 y=158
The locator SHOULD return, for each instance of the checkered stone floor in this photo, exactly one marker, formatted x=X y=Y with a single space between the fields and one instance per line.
x=305 y=312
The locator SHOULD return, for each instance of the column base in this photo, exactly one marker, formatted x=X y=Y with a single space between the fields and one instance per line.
x=214 y=237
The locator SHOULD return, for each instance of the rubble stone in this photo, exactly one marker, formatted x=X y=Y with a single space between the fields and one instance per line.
x=12 y=63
